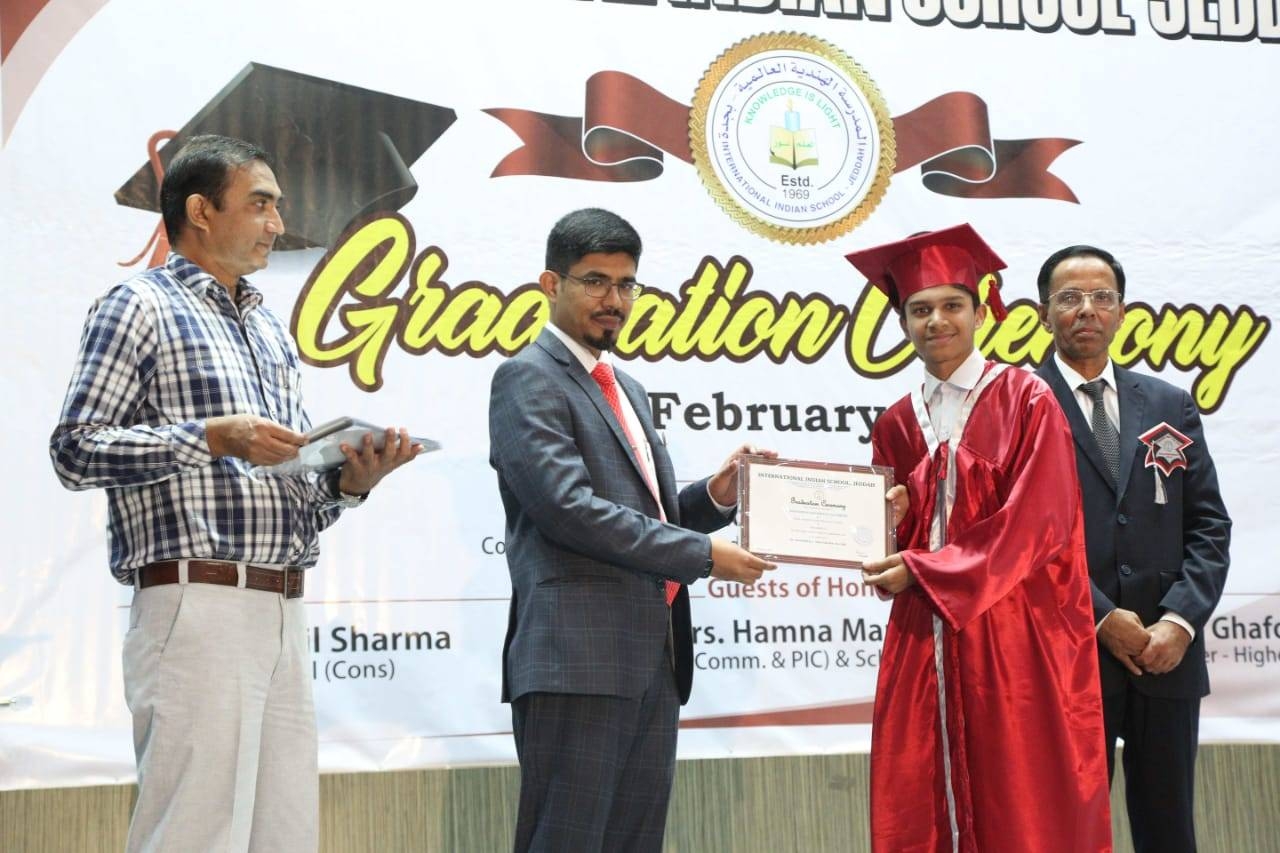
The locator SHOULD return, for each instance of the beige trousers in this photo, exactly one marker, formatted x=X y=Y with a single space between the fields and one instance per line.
x=219 y=683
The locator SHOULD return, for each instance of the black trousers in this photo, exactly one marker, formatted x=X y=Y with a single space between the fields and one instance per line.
x=596 y=771
x=1160 y=740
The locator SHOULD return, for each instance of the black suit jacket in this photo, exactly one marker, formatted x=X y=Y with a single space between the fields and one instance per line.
x=587 y=552
x=1143 y=556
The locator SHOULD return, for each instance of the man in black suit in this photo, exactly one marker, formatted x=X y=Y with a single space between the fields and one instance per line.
x=600 y=545
x=1157 y=535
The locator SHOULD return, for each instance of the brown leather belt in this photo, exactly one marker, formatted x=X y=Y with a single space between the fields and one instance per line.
x=223 y=573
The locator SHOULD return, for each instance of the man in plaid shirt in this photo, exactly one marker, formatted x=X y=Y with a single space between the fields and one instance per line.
x=184 y=381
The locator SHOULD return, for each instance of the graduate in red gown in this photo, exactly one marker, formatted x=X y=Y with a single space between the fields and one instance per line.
x=987 y=735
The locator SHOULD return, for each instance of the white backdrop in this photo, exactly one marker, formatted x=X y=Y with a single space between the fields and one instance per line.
x=1175 y=171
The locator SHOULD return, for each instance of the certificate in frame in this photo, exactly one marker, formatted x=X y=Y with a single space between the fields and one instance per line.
x=815 y=513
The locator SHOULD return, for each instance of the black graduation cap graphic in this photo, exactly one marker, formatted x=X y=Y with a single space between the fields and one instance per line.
x=339 y=151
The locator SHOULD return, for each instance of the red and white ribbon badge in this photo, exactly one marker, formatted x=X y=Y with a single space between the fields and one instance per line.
x=1166 y=453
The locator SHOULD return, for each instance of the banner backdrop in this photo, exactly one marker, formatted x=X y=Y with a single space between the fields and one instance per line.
x=427 y=148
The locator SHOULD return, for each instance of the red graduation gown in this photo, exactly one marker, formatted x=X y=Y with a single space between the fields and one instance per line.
x=987 y=733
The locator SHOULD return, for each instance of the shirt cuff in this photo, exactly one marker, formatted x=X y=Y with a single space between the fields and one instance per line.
x=327 y=485
x=726 y=511
x=1170 y=616
x=1098 y=627
x=190 y=443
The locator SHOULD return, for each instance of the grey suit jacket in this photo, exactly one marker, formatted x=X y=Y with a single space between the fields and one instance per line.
x=587 y=553
x=1143 y=556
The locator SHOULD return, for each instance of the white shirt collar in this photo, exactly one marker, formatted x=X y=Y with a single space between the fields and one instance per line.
x=580 y=352
x=1075 y=380
x=965 y=377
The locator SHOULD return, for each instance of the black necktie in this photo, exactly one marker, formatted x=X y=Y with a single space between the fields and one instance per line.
x=1103 y=431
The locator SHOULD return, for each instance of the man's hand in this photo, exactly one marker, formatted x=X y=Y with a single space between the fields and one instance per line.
x=364 y=470
x=901 y=503
x=253 y=439
x=731 y=563
x=1123 y=634
x=890 y=574
x=1168 y=644
x=723 y=485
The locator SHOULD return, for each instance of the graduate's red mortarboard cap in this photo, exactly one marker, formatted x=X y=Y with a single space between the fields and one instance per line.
x=955 y=255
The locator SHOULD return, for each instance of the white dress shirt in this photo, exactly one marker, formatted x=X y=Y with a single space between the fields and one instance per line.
x=946 y=396
x=1111 y=401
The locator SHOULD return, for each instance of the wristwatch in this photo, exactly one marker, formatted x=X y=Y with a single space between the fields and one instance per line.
x=350 y=501
x=344 y=499
x=706 y=570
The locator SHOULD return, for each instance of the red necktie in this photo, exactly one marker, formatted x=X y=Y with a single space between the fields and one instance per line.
x=602 y=373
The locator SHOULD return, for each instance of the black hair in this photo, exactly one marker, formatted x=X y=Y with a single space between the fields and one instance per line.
x=202 y=167
x=1051 y=264
x=587 y=232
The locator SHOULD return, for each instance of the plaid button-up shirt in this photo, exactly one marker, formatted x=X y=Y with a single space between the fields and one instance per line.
x=161 y=353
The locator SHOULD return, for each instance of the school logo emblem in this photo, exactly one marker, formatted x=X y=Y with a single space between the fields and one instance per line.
x=1166 y=453
x=791 y=137
x=1165 y=448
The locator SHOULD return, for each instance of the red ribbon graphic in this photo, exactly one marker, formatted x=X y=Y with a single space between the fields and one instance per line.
x=627 y=126
x=159 y=239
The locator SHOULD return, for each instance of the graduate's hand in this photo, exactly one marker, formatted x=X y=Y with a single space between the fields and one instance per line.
x=1168 y=644
x=890 y=574
x=723 y=485
x=1123 y=634
x=732 y=563
x=901 y=503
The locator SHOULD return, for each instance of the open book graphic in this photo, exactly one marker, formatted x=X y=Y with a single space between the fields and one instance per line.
x=794 y=148
x=791 y=146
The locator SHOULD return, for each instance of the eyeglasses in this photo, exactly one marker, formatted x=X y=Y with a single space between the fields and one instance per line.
x=1068 y=300
x=597 y=287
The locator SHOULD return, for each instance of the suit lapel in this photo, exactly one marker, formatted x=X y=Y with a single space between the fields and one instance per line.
x=1081 y=432
x=578 y=374
x=1132 y=407
x=640 y=403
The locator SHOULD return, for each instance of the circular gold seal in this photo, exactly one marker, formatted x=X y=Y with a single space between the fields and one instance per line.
x=791 y=137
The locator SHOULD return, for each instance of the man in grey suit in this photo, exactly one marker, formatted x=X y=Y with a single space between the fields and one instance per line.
x=1157 y=535
x=600 y=545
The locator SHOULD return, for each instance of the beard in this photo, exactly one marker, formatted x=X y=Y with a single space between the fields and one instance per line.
x=608 y=337
x=604 y=343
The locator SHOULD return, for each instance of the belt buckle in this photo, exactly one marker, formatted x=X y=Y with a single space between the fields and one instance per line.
x=284 y=577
